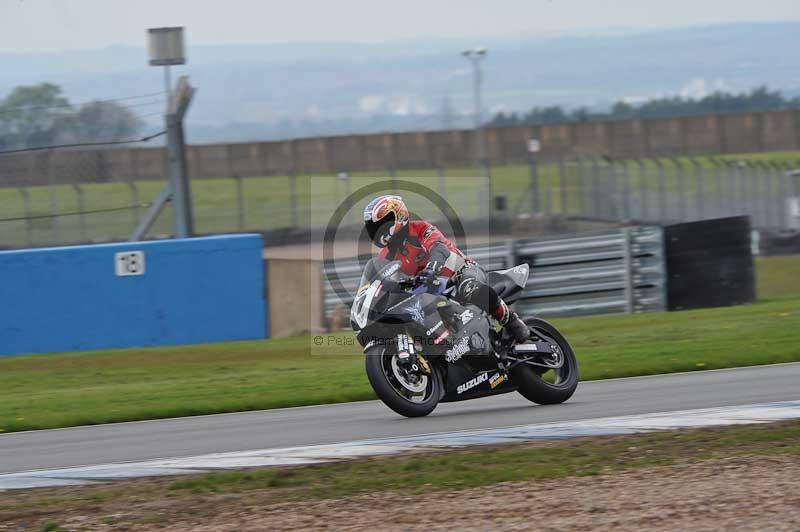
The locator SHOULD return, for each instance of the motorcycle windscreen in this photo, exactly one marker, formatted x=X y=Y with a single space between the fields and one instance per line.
x=376 y=271
x=378 y=268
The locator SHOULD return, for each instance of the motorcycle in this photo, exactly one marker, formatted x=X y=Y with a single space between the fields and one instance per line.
x=422 y=347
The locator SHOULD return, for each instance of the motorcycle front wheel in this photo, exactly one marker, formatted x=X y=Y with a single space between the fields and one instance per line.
x=406 y=393
x=543 y=386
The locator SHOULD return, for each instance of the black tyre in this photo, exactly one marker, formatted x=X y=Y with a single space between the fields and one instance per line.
x=390 y=387
x=530 y=380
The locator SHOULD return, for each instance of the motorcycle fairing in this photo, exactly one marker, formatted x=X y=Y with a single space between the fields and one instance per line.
x=509 y=283
x=381 y=311
x=460 y=374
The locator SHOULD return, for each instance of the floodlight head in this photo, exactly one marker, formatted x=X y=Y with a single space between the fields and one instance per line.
x=166 y=46
x=474 y=52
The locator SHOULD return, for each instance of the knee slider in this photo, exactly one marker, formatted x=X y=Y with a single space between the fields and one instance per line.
x=479 y=294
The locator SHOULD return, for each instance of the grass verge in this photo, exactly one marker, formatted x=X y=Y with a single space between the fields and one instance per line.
x=778 y=277
x=472 y=468
x=49 y=391
x=409 y=474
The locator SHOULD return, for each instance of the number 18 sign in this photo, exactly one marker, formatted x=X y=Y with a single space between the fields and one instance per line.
x=129 y=263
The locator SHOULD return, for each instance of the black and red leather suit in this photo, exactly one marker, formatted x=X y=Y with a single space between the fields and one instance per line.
x=420 y=246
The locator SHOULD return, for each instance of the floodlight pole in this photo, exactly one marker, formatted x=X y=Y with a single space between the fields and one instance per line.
x=176 y=153
x=168 y=84
x=166 y=48
x=177 y=189
x=475 y=57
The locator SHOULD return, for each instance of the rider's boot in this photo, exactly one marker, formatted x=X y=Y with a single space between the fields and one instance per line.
x=512 y=323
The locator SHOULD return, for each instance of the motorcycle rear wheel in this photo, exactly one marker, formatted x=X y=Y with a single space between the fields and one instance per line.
x=529 y=381
x=390 y=390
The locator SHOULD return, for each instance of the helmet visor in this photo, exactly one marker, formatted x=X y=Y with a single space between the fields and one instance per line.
x=378 y=232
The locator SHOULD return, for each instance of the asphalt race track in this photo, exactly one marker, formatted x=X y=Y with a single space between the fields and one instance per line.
x=124 y=442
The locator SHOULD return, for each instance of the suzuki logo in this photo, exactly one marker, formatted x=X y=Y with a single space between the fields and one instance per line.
x=483 y=377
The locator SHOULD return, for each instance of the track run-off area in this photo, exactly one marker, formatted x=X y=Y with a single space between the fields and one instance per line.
x=613 y=404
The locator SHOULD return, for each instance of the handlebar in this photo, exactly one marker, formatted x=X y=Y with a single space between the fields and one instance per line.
x=408 y=283
x=417 y=287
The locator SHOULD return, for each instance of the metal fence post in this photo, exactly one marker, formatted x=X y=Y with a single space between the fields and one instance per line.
x=793 y=183
x=239 y=202
x=764 y=187
x=774 y=200
x=487 y=174
x=511 y=254
x=26 y=203
x=790 y=175
x=548 y=198
x=595 y=188
x=344 y=177
x=680 y=178
x=134 y=190
x=534 y=183
x=749 y=190
x=718 y=192
x=54 y=221
x=731 y=171
x=660 y=187
x=626 y=191
x=81 y=209
x=176 y=153
x=293 y=197
x=611 y=190
x=698 y=189
x=778 y=173
x=642 y=190
x=739 y=186
x=584 y=187
x=562 y=187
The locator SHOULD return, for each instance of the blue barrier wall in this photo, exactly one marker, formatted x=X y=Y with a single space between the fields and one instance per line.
x=72 y=298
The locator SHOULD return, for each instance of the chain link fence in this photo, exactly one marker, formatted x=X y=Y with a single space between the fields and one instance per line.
x=667 y=190
x=79 y=205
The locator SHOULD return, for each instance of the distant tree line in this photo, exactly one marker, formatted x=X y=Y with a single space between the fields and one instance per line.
x=39 y=115
x=759 y=99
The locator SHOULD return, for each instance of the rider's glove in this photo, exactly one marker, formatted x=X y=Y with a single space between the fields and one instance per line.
x=430 y=276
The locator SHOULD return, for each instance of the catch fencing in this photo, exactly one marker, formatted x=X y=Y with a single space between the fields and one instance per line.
x=664 y=191
x=609 y=272
x=75 y=208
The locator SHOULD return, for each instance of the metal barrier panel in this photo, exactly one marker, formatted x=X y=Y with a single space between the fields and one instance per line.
x=610 y=272
x=647 y=267
x=133 y=294
x=575 y=275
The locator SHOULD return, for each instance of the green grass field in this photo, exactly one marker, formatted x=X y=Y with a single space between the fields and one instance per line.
x=266 y=200
x=778 y=277
x=60 y=390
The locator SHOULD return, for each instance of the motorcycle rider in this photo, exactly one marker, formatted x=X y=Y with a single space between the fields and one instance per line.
x=424 y=252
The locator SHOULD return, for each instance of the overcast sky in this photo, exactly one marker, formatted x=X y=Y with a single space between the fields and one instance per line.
x=51 y=25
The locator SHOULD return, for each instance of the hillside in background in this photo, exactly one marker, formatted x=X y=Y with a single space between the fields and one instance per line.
x=287 y=90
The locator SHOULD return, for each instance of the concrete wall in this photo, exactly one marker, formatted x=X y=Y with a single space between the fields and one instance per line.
x=295 y=297
x=707 y=134
x=192 y=291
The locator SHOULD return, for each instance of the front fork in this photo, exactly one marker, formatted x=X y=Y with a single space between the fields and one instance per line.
x=409 y=356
